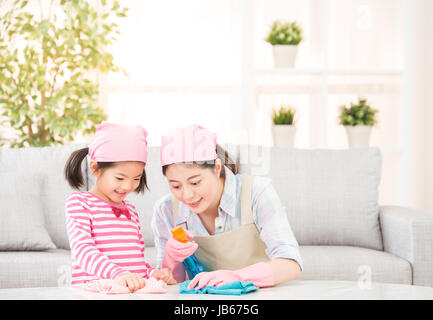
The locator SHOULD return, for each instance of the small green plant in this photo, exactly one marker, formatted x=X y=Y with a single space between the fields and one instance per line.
x=283 y=116
x=286 y=33
x=360 y=114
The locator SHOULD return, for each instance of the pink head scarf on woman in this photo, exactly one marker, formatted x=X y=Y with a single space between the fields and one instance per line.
x=189 y=144
x=115 y=142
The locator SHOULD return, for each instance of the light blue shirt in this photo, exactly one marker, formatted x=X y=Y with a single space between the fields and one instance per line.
x=268 y=213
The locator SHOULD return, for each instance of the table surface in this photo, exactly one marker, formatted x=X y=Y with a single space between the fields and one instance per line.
x=295 y=290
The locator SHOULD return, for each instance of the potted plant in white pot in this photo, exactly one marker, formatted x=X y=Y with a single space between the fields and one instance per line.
x=284 y=38
x=283 y=129
x=358 y=120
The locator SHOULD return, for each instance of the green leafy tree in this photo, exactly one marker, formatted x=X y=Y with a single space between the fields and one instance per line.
x=47 y=95
x=286 y=33
x=284 y=116
x=359 y=114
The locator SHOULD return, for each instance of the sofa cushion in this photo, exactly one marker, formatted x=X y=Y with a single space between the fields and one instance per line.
x=50 y=268
x=22 y=225
x=48 y=163
x=331 y=196
x=353 y=264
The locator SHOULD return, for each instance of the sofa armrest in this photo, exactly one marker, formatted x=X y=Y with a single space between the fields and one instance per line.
x=408 y=234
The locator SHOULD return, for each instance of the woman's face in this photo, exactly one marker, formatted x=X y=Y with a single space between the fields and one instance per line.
x=196 y=187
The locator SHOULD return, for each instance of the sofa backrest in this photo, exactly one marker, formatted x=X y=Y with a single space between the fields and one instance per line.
x=330 y=196
x=47 y=164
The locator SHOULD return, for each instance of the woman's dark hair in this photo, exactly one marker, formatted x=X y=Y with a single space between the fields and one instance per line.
x=74 y=174
x=223 y=155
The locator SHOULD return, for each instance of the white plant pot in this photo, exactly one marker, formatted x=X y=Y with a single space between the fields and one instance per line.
x=358 y=136
x=284 y=55
x=284 y=135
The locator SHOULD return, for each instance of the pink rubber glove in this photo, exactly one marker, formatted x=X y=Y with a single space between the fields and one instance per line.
x=176 y=251
x=261 y=274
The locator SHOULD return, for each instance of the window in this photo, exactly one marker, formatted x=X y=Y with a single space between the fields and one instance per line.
x=183 y=59
x=207 y=62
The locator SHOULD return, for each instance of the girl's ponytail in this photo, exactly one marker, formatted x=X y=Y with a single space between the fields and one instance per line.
x=73 y=172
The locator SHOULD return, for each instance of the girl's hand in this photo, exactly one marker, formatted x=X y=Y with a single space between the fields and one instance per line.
x=165 y=275
x=131 y=280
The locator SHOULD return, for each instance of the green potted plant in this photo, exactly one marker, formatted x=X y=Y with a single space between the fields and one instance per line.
x=283 y=128
x=47 y=93
x=358 y=120
x=284 y=38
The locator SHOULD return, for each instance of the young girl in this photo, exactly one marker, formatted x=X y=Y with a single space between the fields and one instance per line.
x=239 y=226
x=103 y=227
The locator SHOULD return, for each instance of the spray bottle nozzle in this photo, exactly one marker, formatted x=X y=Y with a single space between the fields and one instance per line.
x=179 y=234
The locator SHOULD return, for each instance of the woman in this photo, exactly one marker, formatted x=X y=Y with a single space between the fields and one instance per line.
x=238 y=224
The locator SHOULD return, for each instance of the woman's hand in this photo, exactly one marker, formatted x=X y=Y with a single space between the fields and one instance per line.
x=261 y=274
x=214 y=279
x=176 y=251
x=131 y=280
x=165 y=275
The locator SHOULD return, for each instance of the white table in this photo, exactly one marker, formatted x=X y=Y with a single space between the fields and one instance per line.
x=295 y=290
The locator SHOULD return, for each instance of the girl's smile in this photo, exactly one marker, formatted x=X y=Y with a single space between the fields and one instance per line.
x=115 y=183
x=121 y=195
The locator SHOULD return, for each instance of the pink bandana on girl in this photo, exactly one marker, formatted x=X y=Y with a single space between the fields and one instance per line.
x=115 y=142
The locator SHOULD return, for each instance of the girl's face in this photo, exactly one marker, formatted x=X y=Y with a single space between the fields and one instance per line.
x=115 y=183
x=196 y=187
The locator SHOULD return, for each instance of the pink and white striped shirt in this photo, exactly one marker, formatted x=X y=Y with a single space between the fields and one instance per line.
x=103 y=246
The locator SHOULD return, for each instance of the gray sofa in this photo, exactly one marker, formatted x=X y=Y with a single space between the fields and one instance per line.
x=330 y=196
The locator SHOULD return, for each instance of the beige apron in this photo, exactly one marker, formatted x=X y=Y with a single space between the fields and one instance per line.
x=233 y=249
